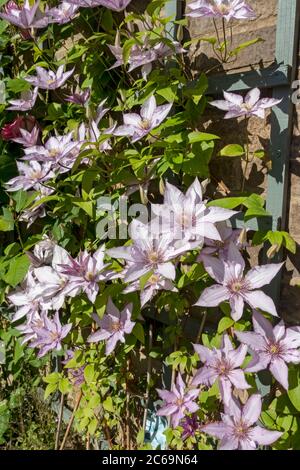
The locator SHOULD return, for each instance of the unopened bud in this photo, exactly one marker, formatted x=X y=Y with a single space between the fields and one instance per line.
x=242 y=240
x=179 y=33
x=162 y=187
x=143 y=195
x=272 y=251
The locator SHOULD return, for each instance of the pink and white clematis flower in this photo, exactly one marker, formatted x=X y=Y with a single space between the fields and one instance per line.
x=186 y=215
x=28 y=138
x=48 y=80
x=115 y=5
x=24 y=299
x=154 y=284
x=227 y=9
x=237 y=106
x=137 y=126
x=62 y=14
x=85 y=272
x=26 y=102
x=113 y=326
x=26 y=17
x=150 y=252
x=32 y=175
x=236 y=287
x=178 y=401
x=238 y=429
x=271 y=347
x=223 y=365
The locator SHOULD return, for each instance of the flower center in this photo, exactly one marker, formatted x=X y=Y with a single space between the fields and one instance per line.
x=246 y=106
x=54 y=336
x=50 y=81
x=153 y=257
x=145 y=124
x=236 y=286
x=241 y=430
x=222 y=9
x=116 y=325
x=179 y=401
x=90 y=276
x=274 y=349
x=223 y=367
x=153 y=279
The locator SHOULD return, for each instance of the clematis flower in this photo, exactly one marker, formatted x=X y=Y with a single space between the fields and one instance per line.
x=154 y=284
x=138 y=126
x=178 y=401
x=143 y=56
x=12 y=130
x=116 y=5
x=53 y=287
x=26 y=17
x=75 y=374
x=190 y=425
x=237 y=106
x=272 y=347
x=62 y=14
x=42 y=253
x=85 y=272
x=220 y=247
x=148 y=253
x=27 y=329
x=223 y=365
x=113 y=326
x=32 y=175
x=236 y=287
x=48 y=80
x=186 y=216
x=227 y=9
x=60 y=152
x=24 y=299
x=50 y=336
x=28 y=138
x=237 y=430
x=80 y=98
x=26 y=102
x=39 y=211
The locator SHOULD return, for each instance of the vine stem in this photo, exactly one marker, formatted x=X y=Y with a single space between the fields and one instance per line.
x=198 y=339
x=225 y=40
x=149 y=365
x=127 y=413
x=247 y=155
x=71 y=421
x=61 y=408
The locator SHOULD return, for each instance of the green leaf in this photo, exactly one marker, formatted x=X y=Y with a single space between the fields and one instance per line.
x=86 y=206
x=17 y=270
x=6 y=221
x=244 y=45
x=224 y=324
x=52 y=378
x=228 y=203
x=294 y=387
x=108 y=404
x=138 y=332
x=17 y=85
x=51 y=388
x=232 y=150
x=89 y=373
x=64 y=386
x=197 y=136
x=128 y=45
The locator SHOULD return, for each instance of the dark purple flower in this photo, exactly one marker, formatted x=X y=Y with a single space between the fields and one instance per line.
x=80 y=98
x=190 y=425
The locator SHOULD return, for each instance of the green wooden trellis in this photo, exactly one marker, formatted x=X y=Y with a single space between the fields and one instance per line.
x=279 y=77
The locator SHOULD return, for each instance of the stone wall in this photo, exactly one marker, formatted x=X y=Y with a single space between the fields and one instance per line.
x=229 y=171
